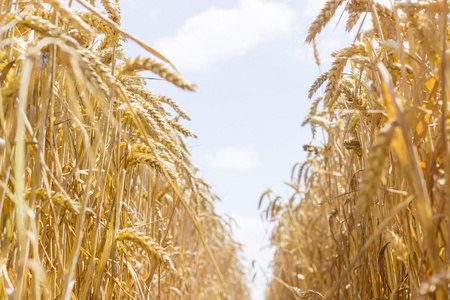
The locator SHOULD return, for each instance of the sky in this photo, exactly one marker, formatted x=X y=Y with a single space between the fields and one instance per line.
x=253 y=72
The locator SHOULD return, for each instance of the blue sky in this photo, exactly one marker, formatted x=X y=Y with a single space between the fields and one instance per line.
x=253 y=72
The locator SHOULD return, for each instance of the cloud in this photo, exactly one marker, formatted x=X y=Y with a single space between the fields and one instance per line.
x=234 y=158
x=313 y=7
x=219 y=34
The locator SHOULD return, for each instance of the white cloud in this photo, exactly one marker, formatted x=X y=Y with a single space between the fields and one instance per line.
x=218 y=34
x=234 y=158
x=313 y=7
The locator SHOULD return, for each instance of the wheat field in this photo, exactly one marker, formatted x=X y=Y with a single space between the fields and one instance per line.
x=99 y=197
x=98 y=194
x=369 y=214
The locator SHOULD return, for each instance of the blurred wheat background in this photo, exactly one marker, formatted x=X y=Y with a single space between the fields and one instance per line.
x=369 y=215
x=98 y=194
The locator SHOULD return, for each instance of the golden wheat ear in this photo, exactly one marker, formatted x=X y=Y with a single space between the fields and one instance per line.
x=142 y=64
x=99 y=197
x=373 y=198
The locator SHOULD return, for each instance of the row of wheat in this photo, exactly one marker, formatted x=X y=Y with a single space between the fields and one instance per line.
x=98 y=196
x=369 y=215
